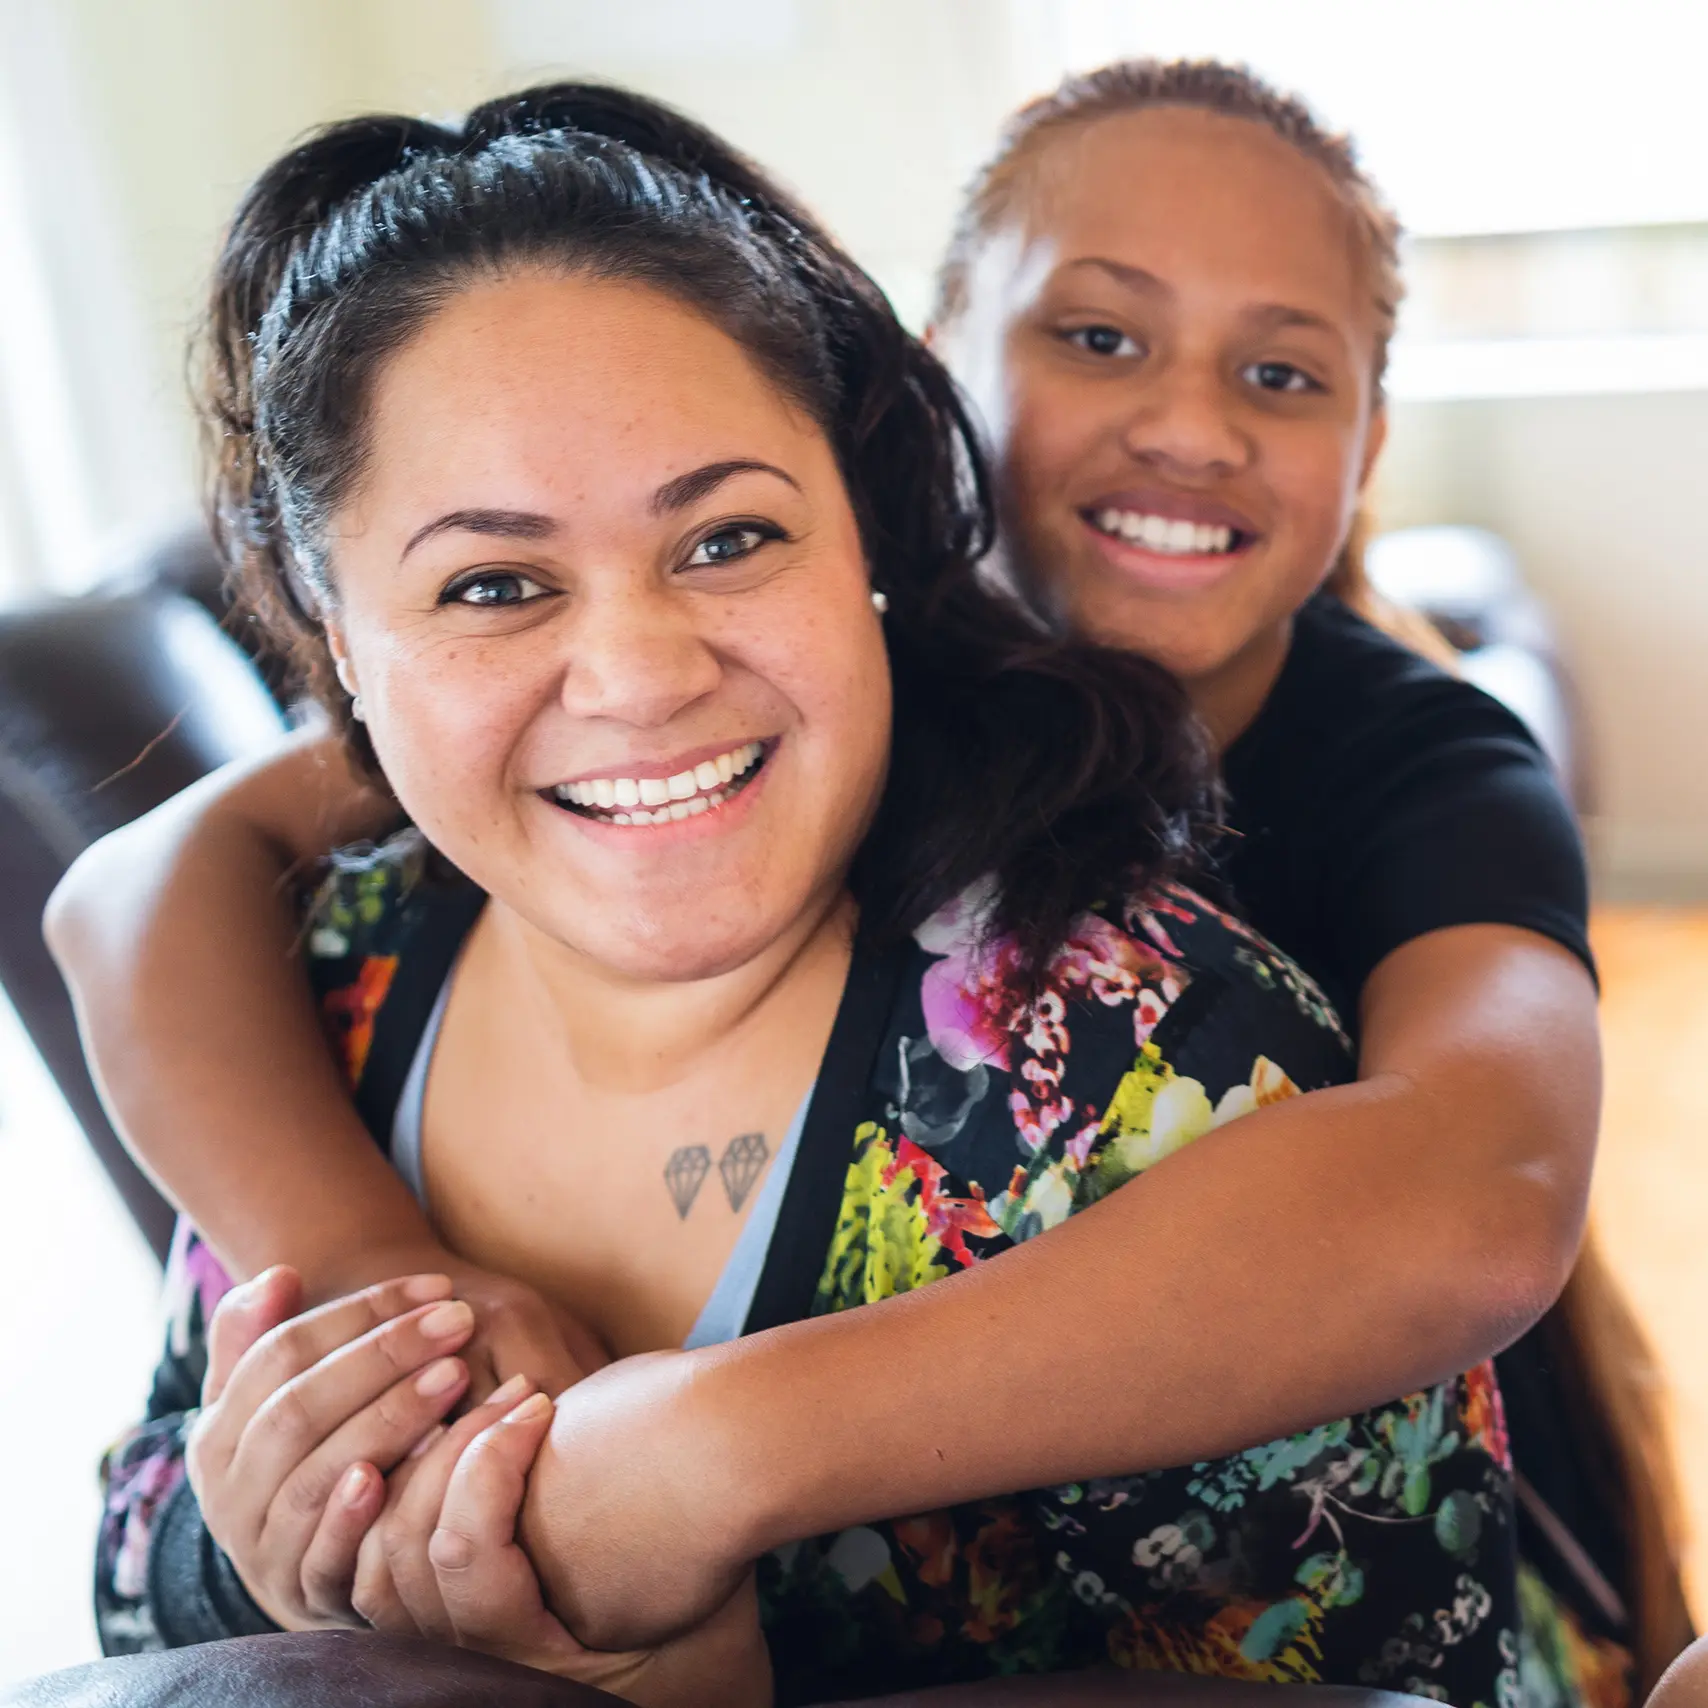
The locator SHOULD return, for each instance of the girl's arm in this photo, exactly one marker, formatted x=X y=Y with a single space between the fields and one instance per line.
x=178 y=937
x=146 y=927
x=1308 y=1261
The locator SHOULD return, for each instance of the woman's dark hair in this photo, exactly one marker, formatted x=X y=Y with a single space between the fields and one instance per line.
x=1064 y=770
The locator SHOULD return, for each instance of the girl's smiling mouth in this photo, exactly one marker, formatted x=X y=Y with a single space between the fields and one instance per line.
x=702 y=787
x=1170 y=539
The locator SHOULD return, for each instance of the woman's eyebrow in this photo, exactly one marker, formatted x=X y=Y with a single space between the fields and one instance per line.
x=687 y=488
x=505 y=524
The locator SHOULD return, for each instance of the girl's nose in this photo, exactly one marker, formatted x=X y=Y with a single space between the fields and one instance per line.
x=637 y=656
x=1186 y=423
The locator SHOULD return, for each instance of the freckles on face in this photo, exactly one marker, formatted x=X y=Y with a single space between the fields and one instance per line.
x=1173 y=344
x=596 y=553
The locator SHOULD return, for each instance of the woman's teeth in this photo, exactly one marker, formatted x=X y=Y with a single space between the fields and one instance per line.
x=664 y=800
x=1163 y=534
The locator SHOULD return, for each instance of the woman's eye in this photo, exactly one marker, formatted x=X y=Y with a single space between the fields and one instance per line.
x=1103 y=341
x=729 y=545
x=493 y=587
x=1280 y=376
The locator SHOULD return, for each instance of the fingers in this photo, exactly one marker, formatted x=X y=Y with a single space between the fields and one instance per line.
x=395 y=1587
x=286 y=1351
x=398 y=1378
x=485 y=1582
x=242 y=1317
x=329 y=1563
x=527 y=1346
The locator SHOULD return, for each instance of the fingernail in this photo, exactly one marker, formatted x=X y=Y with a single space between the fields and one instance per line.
x=531 y=1410
x=439 y=1377
x=507 y=1393
x=353 y=1485
x=452 y=1317
x=422 y=1289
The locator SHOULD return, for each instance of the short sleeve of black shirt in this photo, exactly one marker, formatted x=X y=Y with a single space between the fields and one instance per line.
x=1376 y=798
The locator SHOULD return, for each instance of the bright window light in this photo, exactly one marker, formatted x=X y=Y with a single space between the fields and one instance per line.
x=1474 y=115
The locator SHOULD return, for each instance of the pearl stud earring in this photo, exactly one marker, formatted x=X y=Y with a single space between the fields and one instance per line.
x=880 y=601
x=347 y=681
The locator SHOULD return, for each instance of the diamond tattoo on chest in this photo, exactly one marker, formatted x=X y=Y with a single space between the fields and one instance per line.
x=739 y=1168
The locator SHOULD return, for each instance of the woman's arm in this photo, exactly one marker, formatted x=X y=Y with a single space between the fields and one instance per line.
x=1306 y=1262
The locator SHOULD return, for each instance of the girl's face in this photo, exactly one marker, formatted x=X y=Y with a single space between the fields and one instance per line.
x=1173 y=347
x=605 y=600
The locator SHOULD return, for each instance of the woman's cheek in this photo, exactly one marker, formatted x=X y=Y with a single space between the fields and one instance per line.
x=445 y=731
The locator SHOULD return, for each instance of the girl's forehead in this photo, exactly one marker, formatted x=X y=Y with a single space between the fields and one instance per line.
x=1180 y=185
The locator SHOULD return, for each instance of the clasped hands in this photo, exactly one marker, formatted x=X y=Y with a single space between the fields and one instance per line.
x=575 y=1539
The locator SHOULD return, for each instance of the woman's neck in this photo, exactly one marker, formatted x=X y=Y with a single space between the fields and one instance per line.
x=622 y=1034
x=1228 y=698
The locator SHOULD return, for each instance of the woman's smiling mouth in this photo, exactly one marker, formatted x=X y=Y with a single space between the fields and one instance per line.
x=700 y=788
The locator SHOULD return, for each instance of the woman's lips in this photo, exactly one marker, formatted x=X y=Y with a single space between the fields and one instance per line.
x=708 y=810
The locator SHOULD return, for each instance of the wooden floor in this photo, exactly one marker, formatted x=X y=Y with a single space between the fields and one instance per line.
x=1651 y=1194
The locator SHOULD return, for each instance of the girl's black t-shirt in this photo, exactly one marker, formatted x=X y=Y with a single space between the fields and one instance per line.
x=1376 y=798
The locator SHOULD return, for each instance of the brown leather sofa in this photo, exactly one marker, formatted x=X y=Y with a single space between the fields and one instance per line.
x=109 y=703
x=335 y=1669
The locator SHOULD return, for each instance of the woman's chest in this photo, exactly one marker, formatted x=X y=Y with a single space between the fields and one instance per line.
x=625 y=1211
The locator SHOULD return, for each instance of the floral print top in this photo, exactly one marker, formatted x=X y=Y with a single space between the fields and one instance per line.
x=952 y=1120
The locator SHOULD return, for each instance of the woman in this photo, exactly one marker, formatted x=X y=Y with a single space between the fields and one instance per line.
x=1327 y=1362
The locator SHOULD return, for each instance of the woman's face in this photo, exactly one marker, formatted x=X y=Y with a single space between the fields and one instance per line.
x=1172 y=345
x=605 y=600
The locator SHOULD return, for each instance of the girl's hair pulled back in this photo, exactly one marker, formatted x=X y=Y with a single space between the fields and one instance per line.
x=1062 y=770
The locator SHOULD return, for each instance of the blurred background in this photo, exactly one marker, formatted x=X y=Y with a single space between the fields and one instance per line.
x=1550 y=388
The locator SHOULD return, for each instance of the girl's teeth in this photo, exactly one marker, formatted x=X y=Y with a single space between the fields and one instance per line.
x=1166 y=535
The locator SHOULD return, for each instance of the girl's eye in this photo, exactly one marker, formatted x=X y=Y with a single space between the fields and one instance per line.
x=1280 y=376
x=489 y=587
x=1103 y=341
x=730 y=545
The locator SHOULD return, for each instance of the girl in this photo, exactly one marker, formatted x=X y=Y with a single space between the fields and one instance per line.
x=1445 y=1189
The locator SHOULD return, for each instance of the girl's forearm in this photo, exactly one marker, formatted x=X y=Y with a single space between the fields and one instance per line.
x=178 y=937
x=1309 y=1261
x=1269 y=1277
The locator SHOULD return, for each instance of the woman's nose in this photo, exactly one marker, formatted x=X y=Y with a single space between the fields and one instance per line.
x=1185 y=422
x=637 y=656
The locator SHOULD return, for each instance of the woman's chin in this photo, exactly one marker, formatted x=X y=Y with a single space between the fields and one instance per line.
x=680 y=944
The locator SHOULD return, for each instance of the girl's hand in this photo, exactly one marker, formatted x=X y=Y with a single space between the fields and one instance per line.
x=516 y=1332
x=301 y=1417
x=491 y=1597
x=637 y=1511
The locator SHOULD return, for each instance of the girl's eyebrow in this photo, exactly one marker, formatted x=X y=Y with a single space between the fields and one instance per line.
x=1123 y=273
